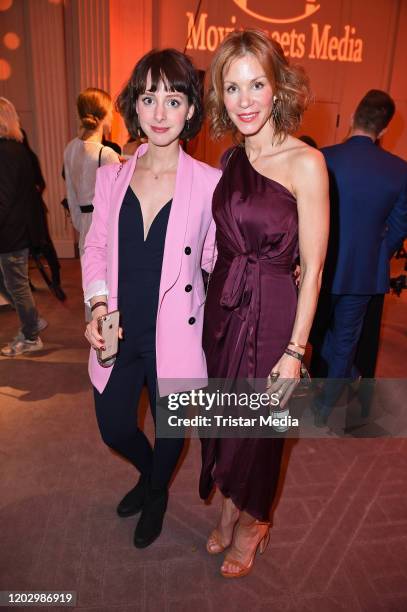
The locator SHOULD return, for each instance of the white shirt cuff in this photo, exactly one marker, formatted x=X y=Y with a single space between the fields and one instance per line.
x=96 y=288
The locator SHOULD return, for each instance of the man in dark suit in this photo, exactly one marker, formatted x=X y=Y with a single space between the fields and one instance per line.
x=368 y=194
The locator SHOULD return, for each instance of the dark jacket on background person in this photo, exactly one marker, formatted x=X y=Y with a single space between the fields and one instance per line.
x=368 y=194
x=17 y=190
x=38 y=232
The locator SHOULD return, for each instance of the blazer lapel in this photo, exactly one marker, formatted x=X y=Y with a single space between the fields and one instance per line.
x=177 y=224
x=122 y=182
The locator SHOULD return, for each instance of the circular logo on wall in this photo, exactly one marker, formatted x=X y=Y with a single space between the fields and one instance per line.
x=248 y=6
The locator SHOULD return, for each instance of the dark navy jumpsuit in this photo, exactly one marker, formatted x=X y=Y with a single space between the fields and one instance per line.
x=140 y=264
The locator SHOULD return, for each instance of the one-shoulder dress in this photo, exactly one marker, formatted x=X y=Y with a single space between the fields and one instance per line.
x=249 y=316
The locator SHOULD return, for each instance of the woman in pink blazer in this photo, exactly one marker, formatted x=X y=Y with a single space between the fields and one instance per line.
x=151 y=233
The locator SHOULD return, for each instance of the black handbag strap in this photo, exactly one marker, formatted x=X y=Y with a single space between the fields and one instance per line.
x=100 y=156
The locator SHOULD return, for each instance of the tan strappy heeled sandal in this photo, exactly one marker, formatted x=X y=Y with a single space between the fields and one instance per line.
x=214 y=544
x=261 y=544
x=215 y=540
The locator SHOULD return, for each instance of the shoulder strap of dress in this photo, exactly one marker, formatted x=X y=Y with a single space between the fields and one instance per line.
x=226 y=156
x=230 y=155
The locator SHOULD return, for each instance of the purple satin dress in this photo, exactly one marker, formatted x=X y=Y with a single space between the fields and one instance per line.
x=249 y=316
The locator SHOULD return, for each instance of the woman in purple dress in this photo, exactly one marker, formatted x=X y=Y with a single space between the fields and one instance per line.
x=270 y=205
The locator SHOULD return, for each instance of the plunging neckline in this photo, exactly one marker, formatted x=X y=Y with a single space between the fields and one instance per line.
x=267 y=178
x=145 y=238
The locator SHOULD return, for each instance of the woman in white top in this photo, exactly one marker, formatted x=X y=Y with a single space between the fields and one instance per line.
x=83 y=156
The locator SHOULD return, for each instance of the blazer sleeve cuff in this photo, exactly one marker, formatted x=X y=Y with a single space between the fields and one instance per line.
x=95 y=288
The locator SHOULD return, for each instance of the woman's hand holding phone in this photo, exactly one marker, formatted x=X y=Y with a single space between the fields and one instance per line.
x=92 y=333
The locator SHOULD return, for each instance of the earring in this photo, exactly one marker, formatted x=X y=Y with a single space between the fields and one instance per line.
x=225 y=118
x=138 y=129
x=186 y=127
x=275 y=111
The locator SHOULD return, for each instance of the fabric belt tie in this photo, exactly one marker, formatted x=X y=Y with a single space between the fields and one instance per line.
x=87 y=208
x=242 y=289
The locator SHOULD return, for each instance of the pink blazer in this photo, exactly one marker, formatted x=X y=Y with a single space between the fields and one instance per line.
x=189 y=245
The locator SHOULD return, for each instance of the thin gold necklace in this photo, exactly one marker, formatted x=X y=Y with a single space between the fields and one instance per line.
x=157 y=176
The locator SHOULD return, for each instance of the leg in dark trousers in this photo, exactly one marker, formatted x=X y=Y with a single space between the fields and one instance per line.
x=166 y=450
x=366 y=355
x=339 y=346
x=341 y=340
x=368 y=347
x=322 y=320
x=50 y=254
x=116 y=412
x=3 y=290
x=14 y=269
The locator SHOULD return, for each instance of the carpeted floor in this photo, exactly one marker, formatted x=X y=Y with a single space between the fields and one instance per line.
x=339 y=536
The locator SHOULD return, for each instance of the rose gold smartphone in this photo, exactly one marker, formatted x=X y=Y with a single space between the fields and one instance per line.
x=108 y=328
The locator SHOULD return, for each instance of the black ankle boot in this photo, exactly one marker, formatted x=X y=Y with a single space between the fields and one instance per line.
x=132 y=502
x=59 y=292
x=151 y=521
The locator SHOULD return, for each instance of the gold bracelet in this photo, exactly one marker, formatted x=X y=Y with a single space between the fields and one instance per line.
x=303 y=346
x=298 y=356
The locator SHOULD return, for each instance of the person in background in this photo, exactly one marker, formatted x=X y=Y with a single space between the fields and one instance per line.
x=308 y=140
x=85 y=154
x=40 y=239
x=131 y=146
x=368 y=346
x=368 y=194
x=17 y=189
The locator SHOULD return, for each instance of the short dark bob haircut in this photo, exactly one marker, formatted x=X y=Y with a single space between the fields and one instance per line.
x=177 y=73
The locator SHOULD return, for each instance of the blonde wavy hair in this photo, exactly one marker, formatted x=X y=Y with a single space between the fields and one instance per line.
x=289 y=83
x=9 y=121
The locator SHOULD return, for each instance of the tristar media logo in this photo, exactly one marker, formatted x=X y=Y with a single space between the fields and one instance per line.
x=310 y=8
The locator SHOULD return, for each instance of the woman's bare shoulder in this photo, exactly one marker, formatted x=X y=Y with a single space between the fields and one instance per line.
x=306 y=158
